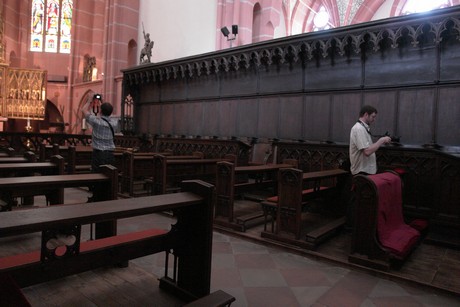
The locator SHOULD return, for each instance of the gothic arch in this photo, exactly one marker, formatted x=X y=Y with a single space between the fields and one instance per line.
x=256 y=22
x=132 y=53
x=366 y=11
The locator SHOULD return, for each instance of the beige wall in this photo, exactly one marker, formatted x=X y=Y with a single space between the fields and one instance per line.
x=179 y=28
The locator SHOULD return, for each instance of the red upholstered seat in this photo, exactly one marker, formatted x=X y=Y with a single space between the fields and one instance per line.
x=31 y=257
x=393 y=233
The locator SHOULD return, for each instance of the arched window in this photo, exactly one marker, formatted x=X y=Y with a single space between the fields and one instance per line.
x=419 y=6
x=50 y=25
x=321 y=20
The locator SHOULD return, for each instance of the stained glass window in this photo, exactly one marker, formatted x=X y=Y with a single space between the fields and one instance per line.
x=321 y=20
x=51 y=22
x=419 y=6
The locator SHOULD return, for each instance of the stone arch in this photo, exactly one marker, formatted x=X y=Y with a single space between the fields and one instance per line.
x=14 y=60
x=132 y=53
x=87 y=96
x=256 y=22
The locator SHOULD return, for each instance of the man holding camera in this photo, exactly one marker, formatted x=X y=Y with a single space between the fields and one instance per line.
x=103 y=131
x=362 y=149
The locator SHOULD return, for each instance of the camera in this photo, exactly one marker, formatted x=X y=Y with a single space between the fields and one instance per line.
x=394 y=139
x=97 y=96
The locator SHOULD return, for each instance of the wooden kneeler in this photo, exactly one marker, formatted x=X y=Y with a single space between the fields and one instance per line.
x=380 y=234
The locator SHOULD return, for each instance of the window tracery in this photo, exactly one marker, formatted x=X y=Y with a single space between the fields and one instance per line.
x=419 y=6
x=51 y=24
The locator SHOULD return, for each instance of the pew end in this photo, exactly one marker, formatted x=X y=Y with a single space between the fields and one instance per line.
x=381 y=238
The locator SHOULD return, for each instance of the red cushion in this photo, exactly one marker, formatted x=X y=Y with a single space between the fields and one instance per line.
x=119 y=239
x=27 y=258
x=393 y=233
x=419 y=224
x=18 y=260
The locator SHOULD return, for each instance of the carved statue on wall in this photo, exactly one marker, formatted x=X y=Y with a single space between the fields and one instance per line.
x=146 y=52
x=90 y=64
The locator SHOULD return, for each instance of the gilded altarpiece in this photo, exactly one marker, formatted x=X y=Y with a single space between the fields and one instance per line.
x=22 y=93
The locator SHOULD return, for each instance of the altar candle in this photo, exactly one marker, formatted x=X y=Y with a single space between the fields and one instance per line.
x=83 y=123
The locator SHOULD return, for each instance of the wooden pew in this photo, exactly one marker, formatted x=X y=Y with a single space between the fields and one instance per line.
x=79 y=159
x=380 y=235
x=138 y=168
x=46 y=151
x=7 y=152
x=28 y=156
x=294 y=194
x=54 y=167
x=188 y=242
x=168 y=173
x=104 y=186
x=228 y=186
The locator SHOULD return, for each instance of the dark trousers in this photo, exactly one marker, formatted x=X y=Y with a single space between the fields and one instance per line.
x=101 y=157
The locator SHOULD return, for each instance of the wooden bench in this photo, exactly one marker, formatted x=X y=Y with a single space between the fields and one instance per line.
x=54 y=167
x=46 y=151
x=380 y=235
x=104 y=186
x=7 y=152
x=139 y=166
x=293 y=199
x=80 y=158
x=62 y=252
x=28 y=156
x=231 y=181
x=168 y=173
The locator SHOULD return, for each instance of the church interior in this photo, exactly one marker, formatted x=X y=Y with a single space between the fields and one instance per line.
x=231 y=182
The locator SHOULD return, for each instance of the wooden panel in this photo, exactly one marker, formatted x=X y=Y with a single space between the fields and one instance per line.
x=247 y=112
x=386 y=104
x=316 y=117
x=227 y=117
x=449 y=58
x=448 y=116
x=149 y=93
x=291 y=111
x=333 y=73
x=204 y=86
x=188 y=118
x=167 y=119
x=282 y=78
x=210 y=118
x=405 y=65
x=415 y=119
x=345 y=112
x=243 y=82
x=268 y=117
x=176 y=89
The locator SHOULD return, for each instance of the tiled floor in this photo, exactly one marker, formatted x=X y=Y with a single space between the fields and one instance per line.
x=256 y=274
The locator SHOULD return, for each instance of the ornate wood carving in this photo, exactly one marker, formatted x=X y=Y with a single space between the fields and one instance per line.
x=372 y=38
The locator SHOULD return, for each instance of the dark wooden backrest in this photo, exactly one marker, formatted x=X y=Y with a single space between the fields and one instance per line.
x=290 y=198
x=225 y=189
x=198 y=154
x=60 y=163
x=159 y=174
x=30 y=156
x=232 y=158
x=293 y=162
